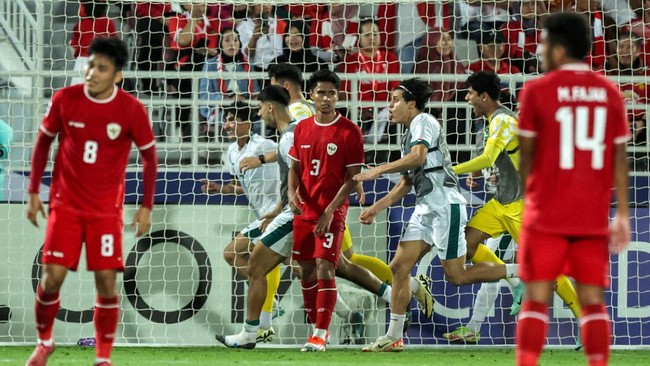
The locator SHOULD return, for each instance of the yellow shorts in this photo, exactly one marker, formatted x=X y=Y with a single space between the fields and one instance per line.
x=346 y=243
x=495 y=219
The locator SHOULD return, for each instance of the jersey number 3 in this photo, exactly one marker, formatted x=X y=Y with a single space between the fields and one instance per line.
x=574 y=130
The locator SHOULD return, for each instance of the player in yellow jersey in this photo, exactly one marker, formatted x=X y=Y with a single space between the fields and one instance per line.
x=502 y=213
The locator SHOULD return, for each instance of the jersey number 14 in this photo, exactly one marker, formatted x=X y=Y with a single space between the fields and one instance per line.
x=574 y=130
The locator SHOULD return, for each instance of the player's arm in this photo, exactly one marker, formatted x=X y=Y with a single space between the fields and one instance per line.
x=495 y=144
x=295 y=171
x=415 y=158
x=142 y=220
x=39 y=161
x=401 y=189
x=526 y=151
x=342 y=195
x=620 y=228
x=257 y=161
x=211 y=187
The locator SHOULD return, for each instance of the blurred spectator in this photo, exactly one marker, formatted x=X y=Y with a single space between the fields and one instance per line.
x=524 y=35
x=93 y=24
x=641 y=27
x=334 y=32
x=151 y=27
x=261 y=36
x=627 y=62
x=491 y=48
x=474 y=18
x=437 y=57
x=372 y=59
x=194 y=37
x=296 y=50
x=229 y=59
x=598 y=54
x=303 y=11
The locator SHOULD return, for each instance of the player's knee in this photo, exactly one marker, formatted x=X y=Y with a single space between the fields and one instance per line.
x=398 y=269
x=456 y=279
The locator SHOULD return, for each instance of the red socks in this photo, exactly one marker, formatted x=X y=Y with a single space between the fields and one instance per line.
x=107 y=311
x=309 y=295
x=595 y=331
x=46 y=307
x=325 y=302
x=532 y=327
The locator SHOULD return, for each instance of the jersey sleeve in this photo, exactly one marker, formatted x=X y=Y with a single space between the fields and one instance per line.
x=527 y=115
x=300 y=112
x=622 y=130
x=268 y=146
x=294 y=152
x=285 y=146
x=52 y=120
x=355 y=156
x=141 y=130
x=421 y=133
x=502 y=131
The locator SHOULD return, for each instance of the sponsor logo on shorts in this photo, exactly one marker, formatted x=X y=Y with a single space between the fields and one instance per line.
x=296 y=252
x=57 y=254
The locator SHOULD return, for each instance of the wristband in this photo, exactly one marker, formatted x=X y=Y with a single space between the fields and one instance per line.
x=262 y=159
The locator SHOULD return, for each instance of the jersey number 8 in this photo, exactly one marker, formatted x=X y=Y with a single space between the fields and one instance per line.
x=90 y=152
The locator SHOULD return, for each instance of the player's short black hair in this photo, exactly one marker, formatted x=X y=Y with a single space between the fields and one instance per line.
x=275 y=94
x=286 y=72
x=367 y=20
x=485 y=82
x=324 y=76
x=111 y=47
x=241 y=110
x=416 y=89
x=570 y=31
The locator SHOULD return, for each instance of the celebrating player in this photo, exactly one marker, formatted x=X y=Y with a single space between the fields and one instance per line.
x=573 y=130
x=327 y=152
x=503 y=213
x=96 y=123
x=439 y=215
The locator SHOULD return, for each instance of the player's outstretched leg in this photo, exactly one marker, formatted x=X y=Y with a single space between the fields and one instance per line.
x=407 y=255
x=263 y=261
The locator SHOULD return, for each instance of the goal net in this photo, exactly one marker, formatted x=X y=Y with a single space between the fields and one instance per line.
x=196 y=65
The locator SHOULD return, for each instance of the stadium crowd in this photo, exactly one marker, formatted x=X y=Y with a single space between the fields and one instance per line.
x=417 y=38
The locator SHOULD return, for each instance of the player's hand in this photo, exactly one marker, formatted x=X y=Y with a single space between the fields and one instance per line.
x=323 y=224
x=619 y=234
x=210 y=187
x=471 y=182
x=370 y=174
x=34 y=206
x=294 y=203
x=266 y=219
x=249 y=163
x=142 y=221
x=361 y=195
x=368 y=216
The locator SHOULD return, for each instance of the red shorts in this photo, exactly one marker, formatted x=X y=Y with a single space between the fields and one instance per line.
x=67 y=230
x=544 y=256
x=307 y=246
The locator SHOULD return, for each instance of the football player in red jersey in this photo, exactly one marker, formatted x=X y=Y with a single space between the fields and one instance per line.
x=327 y=152
x=572 y=135
x=96 y=124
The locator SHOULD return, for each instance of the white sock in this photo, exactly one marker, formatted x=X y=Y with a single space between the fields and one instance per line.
x=342 y=309
x=396 y=326
x=512 y=270
x=320 y=333
x=386 y=296
x=47 y=342
x=265 y=320
x=484 y=302
x=415 y=285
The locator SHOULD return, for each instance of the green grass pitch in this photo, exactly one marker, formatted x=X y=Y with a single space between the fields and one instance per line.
x=194 y=356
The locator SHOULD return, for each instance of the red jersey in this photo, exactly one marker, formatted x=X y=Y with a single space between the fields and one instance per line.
x=576 y=117
x=519 y=39
x=382 y=62
x=325 y=151
x=95 y=138
x=88 y=29
x=504 y=67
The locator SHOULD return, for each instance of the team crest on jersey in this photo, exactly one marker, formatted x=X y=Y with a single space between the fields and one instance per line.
x=113 y=130
x=331 y=148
